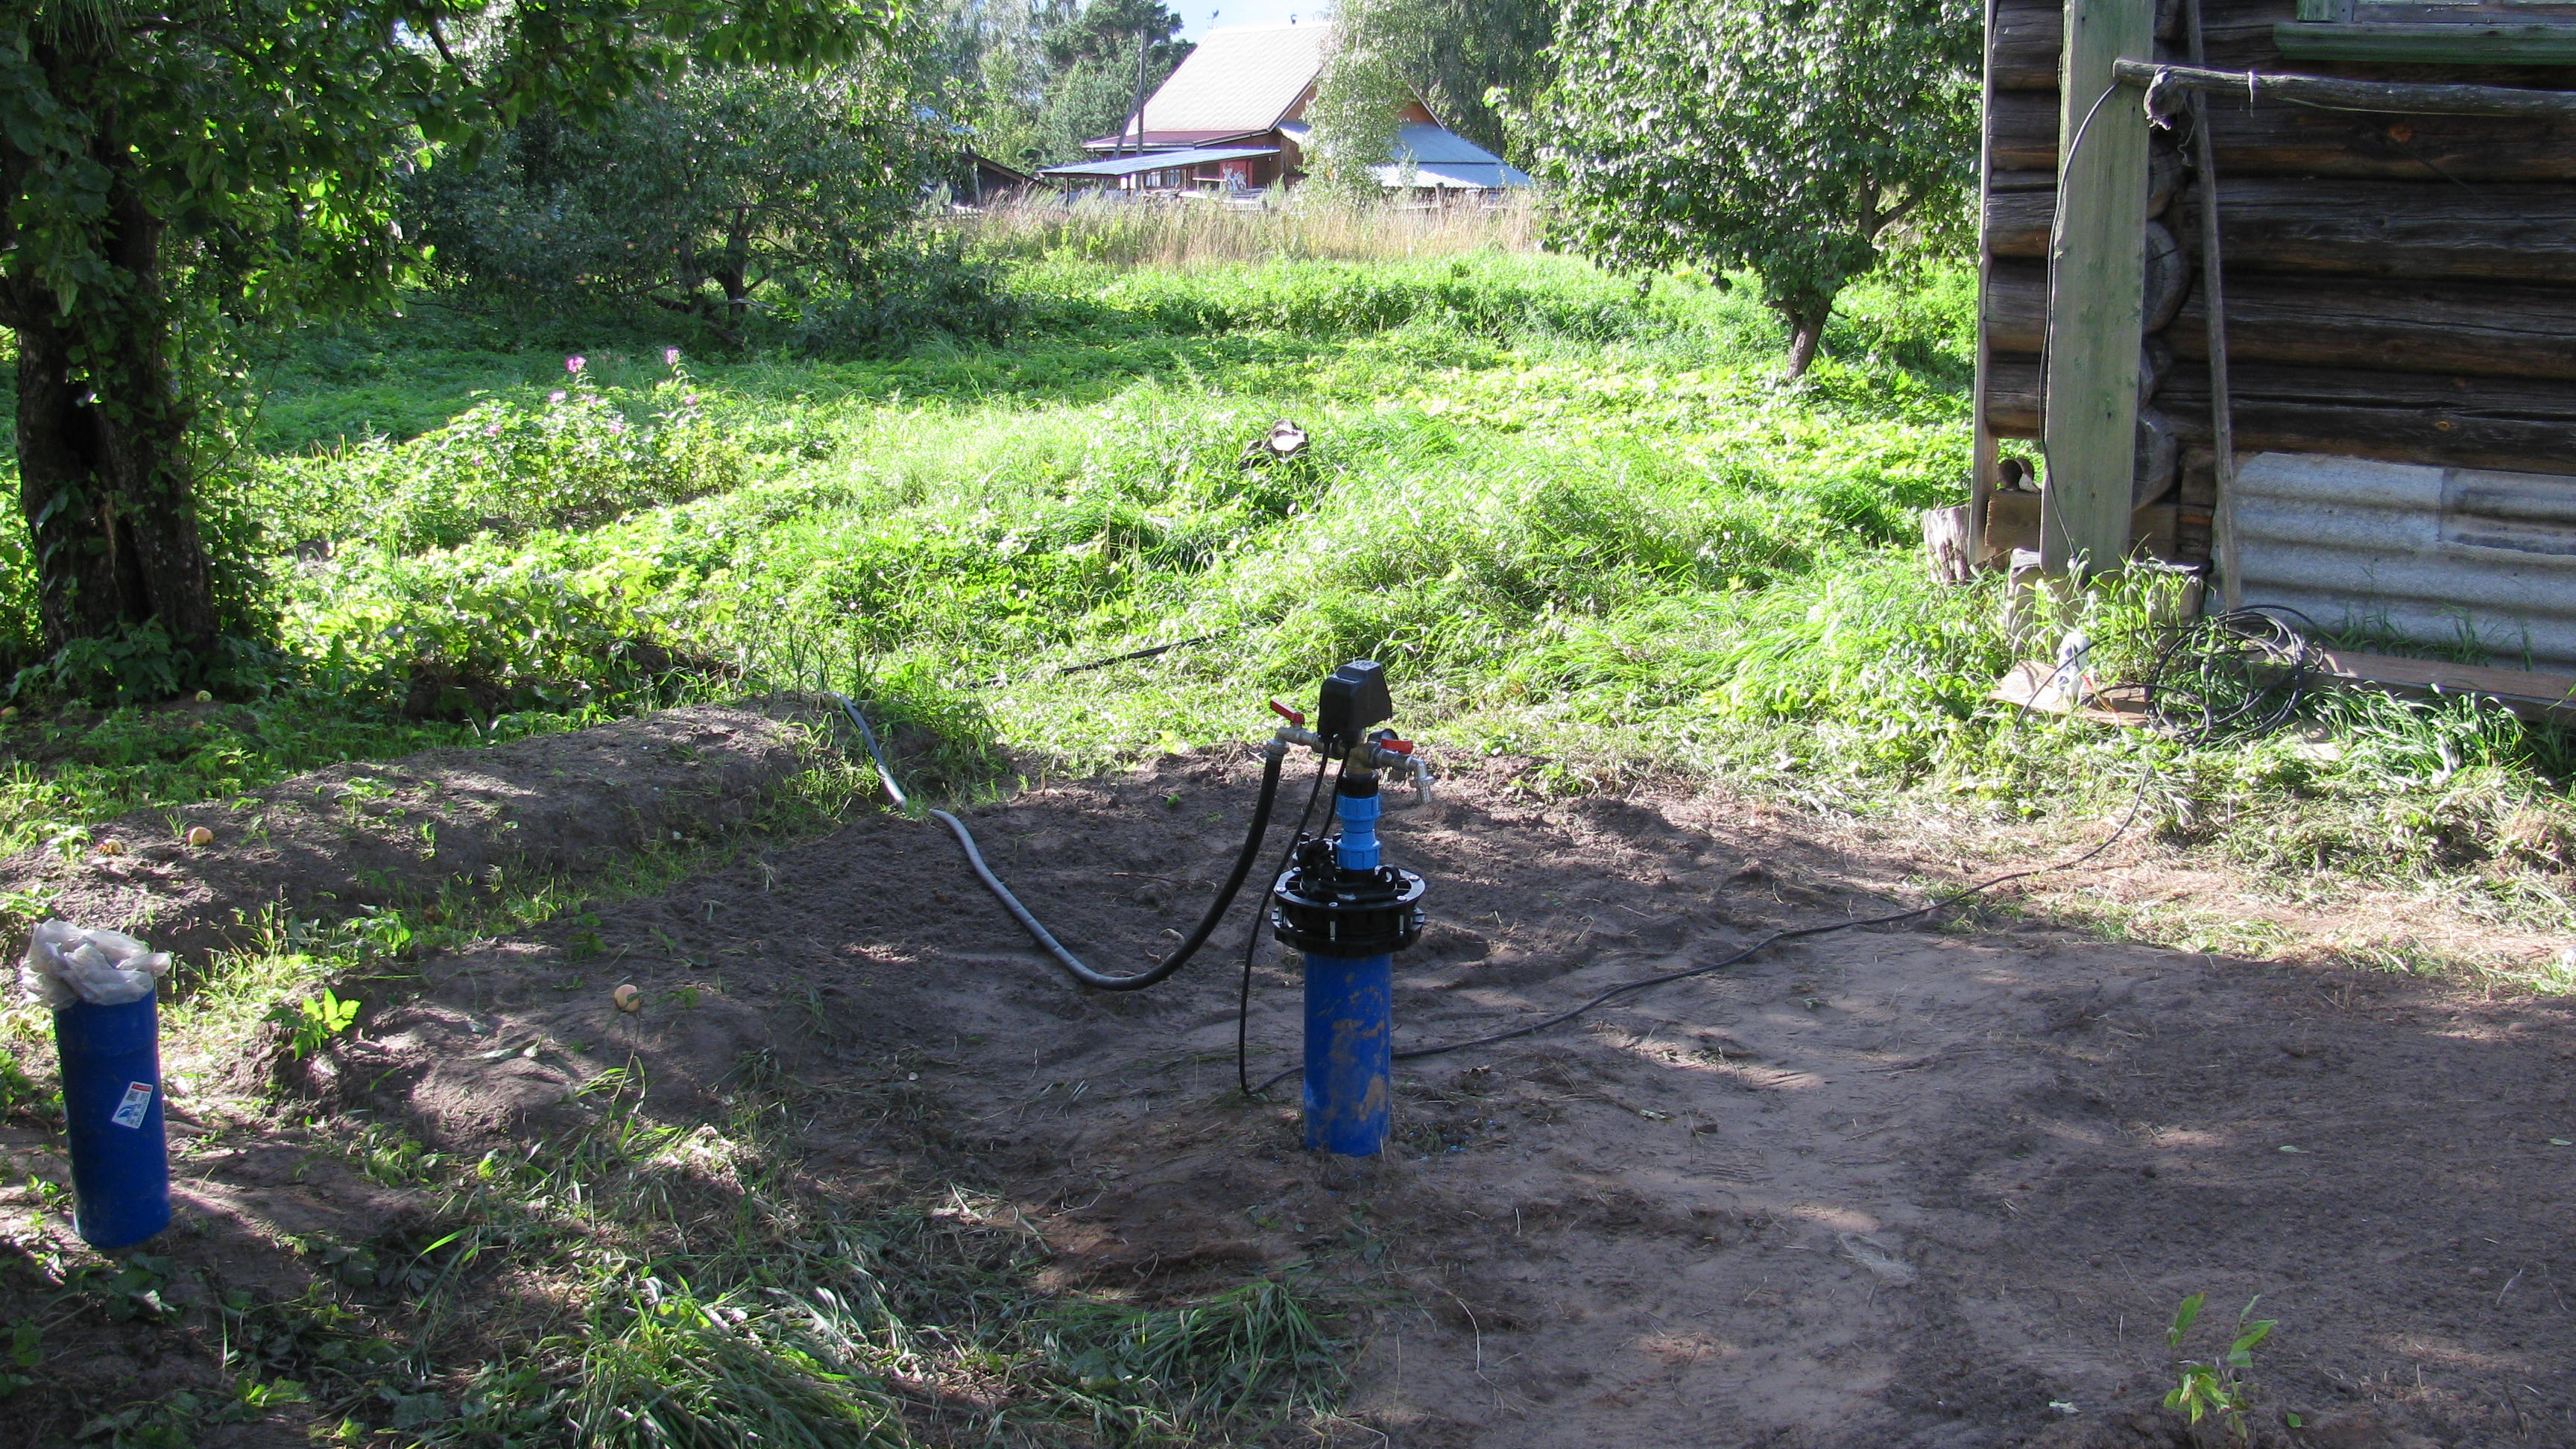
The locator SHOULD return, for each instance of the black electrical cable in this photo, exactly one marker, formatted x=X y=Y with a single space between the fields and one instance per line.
x=2243 y=671
x=2137 y=801
x=2278 y=660
x=1149 y=652
x=1072 y=964
x=1252 y=938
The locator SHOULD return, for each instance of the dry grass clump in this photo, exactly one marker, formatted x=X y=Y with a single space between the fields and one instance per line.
x=1183 y=233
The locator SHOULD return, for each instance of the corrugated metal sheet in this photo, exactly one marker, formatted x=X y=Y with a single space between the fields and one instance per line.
x=1437 y=156
x=1159 y=161
x=2429 y=555
x=1240 y=79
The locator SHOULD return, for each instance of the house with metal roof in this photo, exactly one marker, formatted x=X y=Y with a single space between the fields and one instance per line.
x=1231 y=121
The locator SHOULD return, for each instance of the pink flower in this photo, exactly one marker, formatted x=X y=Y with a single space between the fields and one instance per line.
x=616 y=425
x=574 y=364
x=670 y=357
x=689 y=399
x=556 y=396
x=492 y=431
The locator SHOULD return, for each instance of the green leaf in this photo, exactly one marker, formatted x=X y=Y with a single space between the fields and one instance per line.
x=2183 y=1318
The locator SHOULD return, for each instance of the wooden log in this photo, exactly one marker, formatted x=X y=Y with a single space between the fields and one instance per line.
x=2016 y=306
x=2451 y=43
x=2012 y=397
x=2016 y=300
x=2165 y=274
x=2516 y=425
x=2482 y=329
x=2025 y=40
x=2300 y=142
x=2506 y=232
x=2029 y=35
x=2245 y=35
x=2406 y=98
x=2018 y=214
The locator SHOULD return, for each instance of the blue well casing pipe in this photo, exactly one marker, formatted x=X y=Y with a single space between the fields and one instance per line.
x=1350 y=1017
x=111 y=1060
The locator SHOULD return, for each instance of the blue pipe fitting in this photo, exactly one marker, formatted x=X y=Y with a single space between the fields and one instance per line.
x=1357 y=849
x=1349 y=914
x=111 y=1060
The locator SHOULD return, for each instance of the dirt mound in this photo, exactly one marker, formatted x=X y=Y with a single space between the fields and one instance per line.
x=330 y=842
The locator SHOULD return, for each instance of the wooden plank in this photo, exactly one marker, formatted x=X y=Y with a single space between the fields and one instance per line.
x=2300 y=141
x=2528 y=693
x=1983 y=453
x=2479 y=329
x=2450 y=44
x=2506 y=232
x=2095 y=311
x=2097 y=262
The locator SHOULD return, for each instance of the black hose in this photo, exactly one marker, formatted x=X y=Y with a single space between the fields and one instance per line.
x=1072 y=964
x=1252 y=939
x=1208 y=923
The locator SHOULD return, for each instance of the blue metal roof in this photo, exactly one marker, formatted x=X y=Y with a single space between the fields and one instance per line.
x=1158 y=160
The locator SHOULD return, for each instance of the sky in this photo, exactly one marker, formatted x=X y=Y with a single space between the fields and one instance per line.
x=1195 y=14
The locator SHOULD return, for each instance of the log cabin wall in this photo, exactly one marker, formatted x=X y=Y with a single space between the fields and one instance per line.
x=2399 y=287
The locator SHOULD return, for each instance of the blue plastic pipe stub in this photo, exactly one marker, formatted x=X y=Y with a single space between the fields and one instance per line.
x=1348 y=1053
x=111 y=1060
x=1357 y=849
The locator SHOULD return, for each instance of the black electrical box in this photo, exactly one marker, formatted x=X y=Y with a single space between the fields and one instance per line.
x=1354 y=699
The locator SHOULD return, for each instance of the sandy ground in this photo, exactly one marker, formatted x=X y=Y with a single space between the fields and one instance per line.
x=1889 y=1187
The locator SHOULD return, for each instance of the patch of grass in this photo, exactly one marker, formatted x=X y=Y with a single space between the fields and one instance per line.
x=1575 y=521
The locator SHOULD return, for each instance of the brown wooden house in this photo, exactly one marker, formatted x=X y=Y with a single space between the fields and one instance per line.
x=1232 y=121
x=2395 y=261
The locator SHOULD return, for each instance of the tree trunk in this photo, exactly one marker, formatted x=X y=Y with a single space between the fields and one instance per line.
x=105 y=480
x=1806 y=332
x=734 y=273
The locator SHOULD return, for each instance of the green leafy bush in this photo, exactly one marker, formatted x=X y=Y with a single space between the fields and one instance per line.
x=917 y=294
x=577 y=460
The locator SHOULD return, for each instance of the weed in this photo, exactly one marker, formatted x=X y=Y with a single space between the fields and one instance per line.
x=22 y=1098
x=26 y=1349
x=2222 y=1386
x=312 y=1021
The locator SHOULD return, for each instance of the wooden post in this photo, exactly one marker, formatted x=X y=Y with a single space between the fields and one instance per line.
x=1982 y=452
x=2213 y=293
x=2096 y=292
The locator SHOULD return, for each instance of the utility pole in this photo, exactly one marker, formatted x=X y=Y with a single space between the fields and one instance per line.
x=1138 y=112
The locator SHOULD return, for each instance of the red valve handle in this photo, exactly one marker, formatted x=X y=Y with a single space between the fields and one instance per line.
x=1401 y=747
x=1294 y=717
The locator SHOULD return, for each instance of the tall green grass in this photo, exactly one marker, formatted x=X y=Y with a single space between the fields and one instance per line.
x=1577 y=519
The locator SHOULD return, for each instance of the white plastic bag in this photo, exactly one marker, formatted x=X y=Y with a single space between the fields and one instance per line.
x=67 y=963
